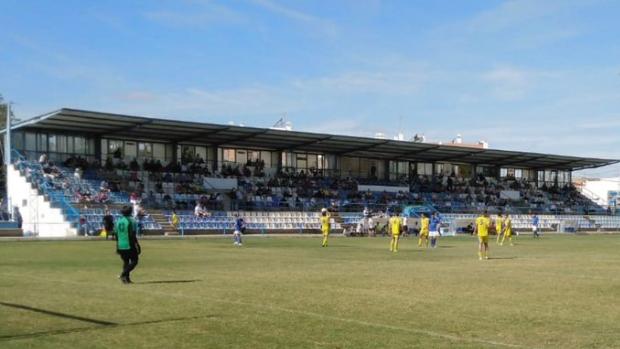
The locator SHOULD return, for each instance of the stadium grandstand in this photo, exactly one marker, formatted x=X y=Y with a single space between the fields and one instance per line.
x=69 y=167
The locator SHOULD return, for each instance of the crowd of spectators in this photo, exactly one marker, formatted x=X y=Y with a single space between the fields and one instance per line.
x=308 y=189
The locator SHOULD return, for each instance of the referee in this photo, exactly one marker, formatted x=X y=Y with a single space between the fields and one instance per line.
x=127 y=245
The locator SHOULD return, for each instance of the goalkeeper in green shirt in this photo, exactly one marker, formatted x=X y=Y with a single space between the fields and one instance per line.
x=127 y=245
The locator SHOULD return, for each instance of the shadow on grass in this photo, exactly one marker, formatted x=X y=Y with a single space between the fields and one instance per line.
x=165 y=282
x=94 y=328
x=502 y=257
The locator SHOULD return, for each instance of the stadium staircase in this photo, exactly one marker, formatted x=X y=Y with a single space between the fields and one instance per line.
x=47 y=211
x=590 y=195
x=160 y=218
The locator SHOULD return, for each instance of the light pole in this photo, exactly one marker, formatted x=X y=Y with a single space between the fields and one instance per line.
x=7 y=160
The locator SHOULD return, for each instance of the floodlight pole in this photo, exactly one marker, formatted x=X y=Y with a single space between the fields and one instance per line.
x=7 y=160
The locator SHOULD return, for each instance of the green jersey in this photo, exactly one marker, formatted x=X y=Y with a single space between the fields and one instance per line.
x=125 y=230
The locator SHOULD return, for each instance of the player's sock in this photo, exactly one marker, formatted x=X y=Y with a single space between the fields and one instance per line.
x=396 y=245
x=419 y=242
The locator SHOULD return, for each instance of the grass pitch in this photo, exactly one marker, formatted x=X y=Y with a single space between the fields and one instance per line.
x=556 y=292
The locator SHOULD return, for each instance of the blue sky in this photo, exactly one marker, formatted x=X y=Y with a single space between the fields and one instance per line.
x=524 y=75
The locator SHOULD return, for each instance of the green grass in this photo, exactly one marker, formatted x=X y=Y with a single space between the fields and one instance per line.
x=557 y=292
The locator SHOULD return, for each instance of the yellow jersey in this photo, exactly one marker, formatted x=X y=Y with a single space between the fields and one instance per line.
x=325 y=224
x=425 y=223
x=498 y=224
x=482 y=225
x=175 y=220
x=395 y=225
x=508 y=226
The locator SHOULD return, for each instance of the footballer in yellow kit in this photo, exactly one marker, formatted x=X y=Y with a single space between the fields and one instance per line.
x=395 y=225
x=425 y=223
x=483 y=223
x=507 y=230
x=499 y=225
x=325 y=225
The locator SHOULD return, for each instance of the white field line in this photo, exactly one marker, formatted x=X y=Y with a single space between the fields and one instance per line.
x=429 y=333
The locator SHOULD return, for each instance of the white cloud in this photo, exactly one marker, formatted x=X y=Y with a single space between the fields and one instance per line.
x=598 y=124
x=203 y=14
x=379 y=82
x=330 y=93
x=508 y=83
x=286 y=11
x=325 y=26
x=512 y=13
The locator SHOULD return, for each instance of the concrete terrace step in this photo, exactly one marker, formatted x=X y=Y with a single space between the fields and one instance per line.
x=161 y=219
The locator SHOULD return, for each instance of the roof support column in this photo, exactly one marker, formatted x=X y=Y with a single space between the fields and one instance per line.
x=279 y=163
x=386 y=170
x=175 y=152
x=98 y=149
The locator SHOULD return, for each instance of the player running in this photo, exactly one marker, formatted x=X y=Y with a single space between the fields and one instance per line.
x=325 y=225
x=507 y=230
x=395 y=226
x=434 y=229
x=535 y=222
x=424 y=230
x=239 y=229
x=499 y=222
x=482 y=230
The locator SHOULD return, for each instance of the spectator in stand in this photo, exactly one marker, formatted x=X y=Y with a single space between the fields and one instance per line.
x=134 y=198
x=43 y=159
x=78 y=174
x=200 y=211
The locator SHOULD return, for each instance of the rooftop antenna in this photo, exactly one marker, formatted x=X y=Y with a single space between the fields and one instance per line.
x=283 y=124
x=400 y=136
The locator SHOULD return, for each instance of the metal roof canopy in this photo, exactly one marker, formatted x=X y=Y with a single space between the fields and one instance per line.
x=185 y=132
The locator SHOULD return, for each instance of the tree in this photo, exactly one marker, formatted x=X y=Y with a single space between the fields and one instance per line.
x=3 y=108
x=2 y=112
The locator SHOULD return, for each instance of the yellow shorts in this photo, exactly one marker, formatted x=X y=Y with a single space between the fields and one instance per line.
x=423 y=233
x=325 y=232
x=508 y=233
x=395 y=235
x=483 y=239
